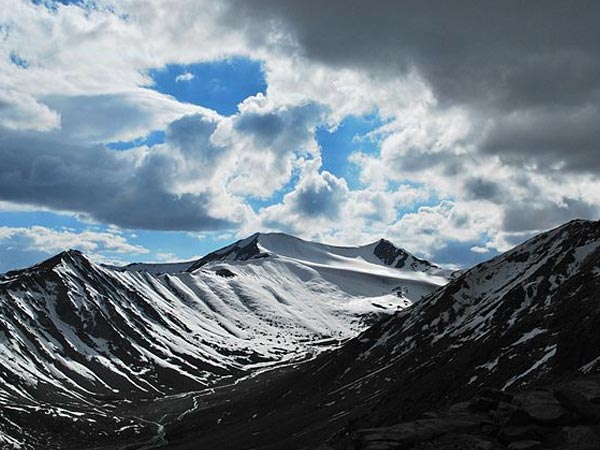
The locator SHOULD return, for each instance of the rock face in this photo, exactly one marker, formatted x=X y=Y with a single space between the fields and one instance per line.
x=529 y=315
x=400 y=258
x=242 y=250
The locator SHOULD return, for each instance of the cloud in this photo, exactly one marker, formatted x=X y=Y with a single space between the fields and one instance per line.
x=477 y=188
x=267 y=141
x=565 y=138
x=315 y=203
x=121 y=116
x=21 y=245
x=185 y=76
x=135 y=189
x=489 y=116
x=523 y=217
x=18 y=110
x=51 y=241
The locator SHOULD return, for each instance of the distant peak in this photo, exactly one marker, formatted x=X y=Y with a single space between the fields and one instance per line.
x=397 y=257
x=241 y=250
x=579 y=222
x=73 y=253
x=385 y=242
x=70 y=255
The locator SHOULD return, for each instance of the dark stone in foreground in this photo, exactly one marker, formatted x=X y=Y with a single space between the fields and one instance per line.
x=543 y=423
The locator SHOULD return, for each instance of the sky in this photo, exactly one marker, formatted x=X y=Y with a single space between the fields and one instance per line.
x=160 y=130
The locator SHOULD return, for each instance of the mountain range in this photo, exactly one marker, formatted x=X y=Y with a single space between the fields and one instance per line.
x=275 y=342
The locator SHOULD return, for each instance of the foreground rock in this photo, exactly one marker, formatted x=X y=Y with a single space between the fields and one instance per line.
x=562 y=418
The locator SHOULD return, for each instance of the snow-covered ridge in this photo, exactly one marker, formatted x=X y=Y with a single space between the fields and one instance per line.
x=262 y=245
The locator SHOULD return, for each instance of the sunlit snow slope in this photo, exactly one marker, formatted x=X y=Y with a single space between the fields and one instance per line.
x=71 y=329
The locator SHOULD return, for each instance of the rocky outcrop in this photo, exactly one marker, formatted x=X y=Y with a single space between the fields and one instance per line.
x=562 y=418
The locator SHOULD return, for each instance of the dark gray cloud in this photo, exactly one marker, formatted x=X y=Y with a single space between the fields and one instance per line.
x=322 y=197
x=568 y=136
x=459 y=45
x=477 y=188
x=317 y=196
x=537 y=61
x=286 y=130
x=109 y=186
x=523 y=217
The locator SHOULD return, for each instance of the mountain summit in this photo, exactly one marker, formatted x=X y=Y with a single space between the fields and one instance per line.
x=263 y=245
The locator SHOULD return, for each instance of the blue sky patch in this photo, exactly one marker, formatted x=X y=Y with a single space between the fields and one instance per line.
x=153 y=138
x=347 y=138
x=455 y=251
x=218 y=85
x=44 y=218
x=18 y=60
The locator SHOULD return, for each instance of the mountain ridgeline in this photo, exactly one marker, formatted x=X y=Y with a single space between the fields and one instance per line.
x=366 y=348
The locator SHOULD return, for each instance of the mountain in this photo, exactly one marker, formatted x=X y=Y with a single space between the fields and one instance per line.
x=527 y=318
x=77 y=336
x=504 y=356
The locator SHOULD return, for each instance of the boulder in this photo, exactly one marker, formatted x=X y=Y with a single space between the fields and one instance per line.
x=510 y=434
x=525 y=445
x=483 y=404
x=225 y=273
x=406 y=435
x=579 y=404
x=542 y=407
x=579 y=438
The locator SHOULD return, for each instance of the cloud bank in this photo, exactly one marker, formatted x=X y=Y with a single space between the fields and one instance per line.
x=488 y=115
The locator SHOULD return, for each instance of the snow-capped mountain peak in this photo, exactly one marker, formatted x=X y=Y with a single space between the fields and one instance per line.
x=71 y=257
x=262 y=245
